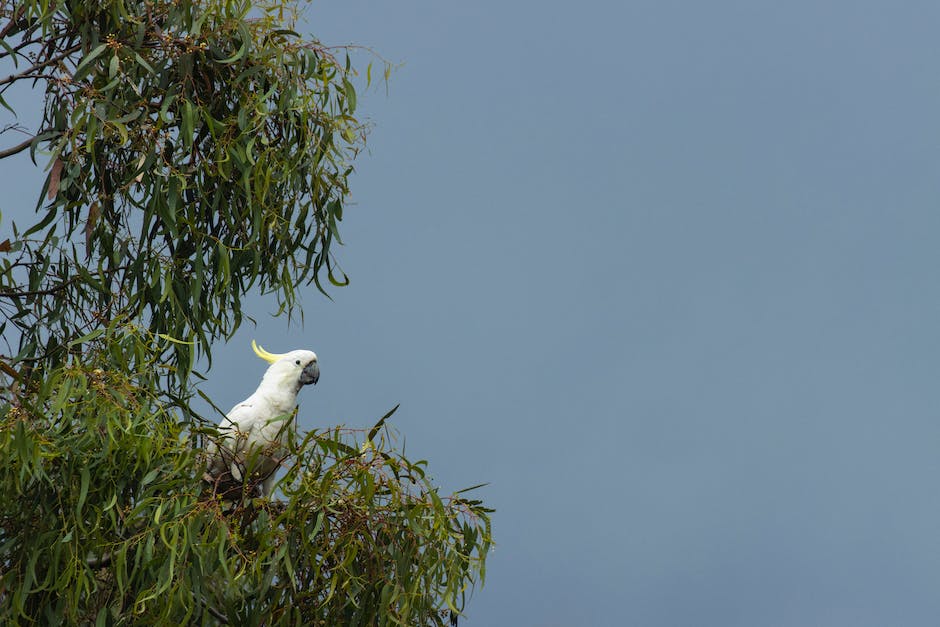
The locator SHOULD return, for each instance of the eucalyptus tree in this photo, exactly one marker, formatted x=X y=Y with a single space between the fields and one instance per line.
x=194 y=151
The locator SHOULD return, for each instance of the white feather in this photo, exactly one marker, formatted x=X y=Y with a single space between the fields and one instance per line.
x=254 y=433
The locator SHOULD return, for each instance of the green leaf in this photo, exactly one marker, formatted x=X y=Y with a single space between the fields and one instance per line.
x=6 y=106
x=122 y=131
x=186 y=130
x=149 y=477
x=242 y=49
x=338 y=283
x=143 y=63
x=83 y=491
x=85 y=63
x=350 y=92
x=321 y=516
x=87 y=337
x=473 y=487
x=174 y=340
x=375 y=429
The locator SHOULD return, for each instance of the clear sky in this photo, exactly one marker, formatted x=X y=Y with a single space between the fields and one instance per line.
x=667 y=274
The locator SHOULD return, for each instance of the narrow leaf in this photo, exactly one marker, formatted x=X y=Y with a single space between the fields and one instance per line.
x=83 y=491
x=94 y=211
x=473 y=487
x=86 y=61
x=54 y=175
x=86 y=338
x=374 y=430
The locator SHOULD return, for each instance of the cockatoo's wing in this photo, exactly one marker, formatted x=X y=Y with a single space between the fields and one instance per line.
x=251 y=433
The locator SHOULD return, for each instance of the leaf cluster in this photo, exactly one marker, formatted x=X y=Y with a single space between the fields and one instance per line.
x=364 y=537
x=195 y=151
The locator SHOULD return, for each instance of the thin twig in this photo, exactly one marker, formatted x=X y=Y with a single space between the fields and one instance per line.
x=12 y=78
x=8 y=293
x=45 y=292
x=219 y=616
x=23 y=44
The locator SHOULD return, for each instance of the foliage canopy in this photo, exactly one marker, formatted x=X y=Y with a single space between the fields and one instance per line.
x=195 y=150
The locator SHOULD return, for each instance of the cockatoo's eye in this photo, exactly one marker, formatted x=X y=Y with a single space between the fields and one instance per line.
x=297 y=362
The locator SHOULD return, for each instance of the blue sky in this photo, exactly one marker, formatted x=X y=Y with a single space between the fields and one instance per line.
x=665 y=274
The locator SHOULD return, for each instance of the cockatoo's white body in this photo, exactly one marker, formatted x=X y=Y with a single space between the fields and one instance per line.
x=253 y=435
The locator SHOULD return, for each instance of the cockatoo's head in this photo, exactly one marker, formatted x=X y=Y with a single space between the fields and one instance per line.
x=294 y=369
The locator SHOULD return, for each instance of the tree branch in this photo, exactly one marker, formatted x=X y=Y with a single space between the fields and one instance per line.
x=14 y=18
x=46 y=292
x=12 y=78
x=23 y=44
x=219 y=616
x=9 y=152
x=6 y=292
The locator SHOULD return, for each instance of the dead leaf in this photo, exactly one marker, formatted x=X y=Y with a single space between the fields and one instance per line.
x=6 y=246
x=54 y=177
x=94 y=211
x=140 y=164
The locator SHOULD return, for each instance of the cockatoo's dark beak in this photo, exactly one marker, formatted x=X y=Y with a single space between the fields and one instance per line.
x=310 y=374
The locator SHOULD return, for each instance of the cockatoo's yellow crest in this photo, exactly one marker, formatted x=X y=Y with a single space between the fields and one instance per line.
x=263 y=354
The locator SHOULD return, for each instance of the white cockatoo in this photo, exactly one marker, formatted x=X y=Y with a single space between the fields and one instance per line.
x=254 y=433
